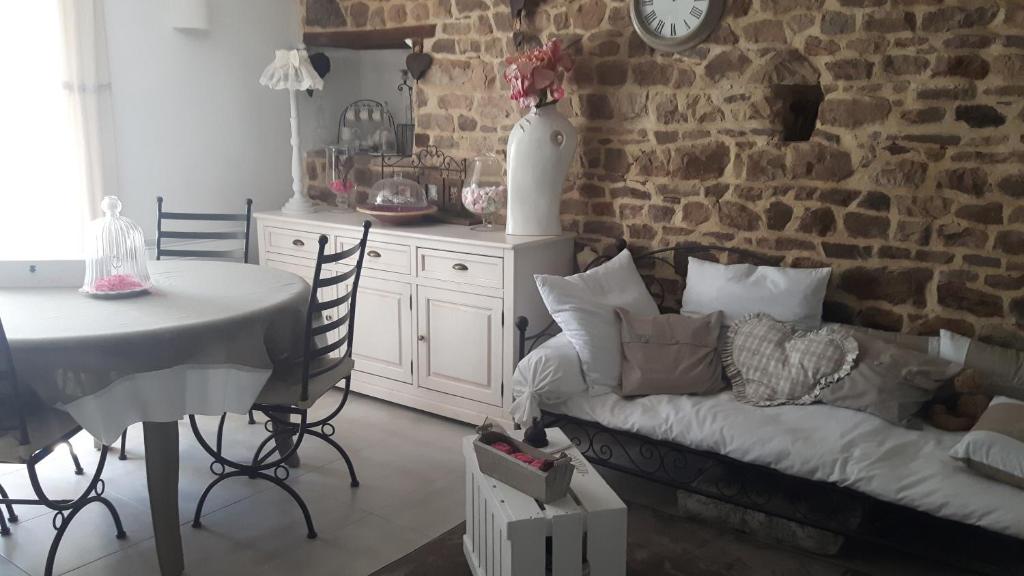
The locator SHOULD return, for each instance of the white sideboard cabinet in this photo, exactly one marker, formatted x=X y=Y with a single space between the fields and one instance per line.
x=437 y=305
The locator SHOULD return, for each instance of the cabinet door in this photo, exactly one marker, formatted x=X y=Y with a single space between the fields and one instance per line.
x=383 y=338
x=459 y=337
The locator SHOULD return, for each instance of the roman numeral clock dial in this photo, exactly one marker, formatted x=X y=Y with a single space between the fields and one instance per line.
x=674 y=25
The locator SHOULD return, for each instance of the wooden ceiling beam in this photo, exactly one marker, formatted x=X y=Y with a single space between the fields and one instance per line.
x=383 y=39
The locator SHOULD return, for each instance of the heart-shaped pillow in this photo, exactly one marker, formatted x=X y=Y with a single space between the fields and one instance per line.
x=771 y=363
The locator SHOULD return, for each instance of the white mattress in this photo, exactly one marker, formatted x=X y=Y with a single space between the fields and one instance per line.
x=845 y=447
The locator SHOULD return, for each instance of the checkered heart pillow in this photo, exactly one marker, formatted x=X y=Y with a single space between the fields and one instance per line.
x=771 y=363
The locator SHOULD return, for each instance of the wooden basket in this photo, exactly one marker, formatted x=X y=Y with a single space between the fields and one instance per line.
x=543 y=486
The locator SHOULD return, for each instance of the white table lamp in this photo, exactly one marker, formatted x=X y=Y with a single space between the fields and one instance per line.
x=291 y=70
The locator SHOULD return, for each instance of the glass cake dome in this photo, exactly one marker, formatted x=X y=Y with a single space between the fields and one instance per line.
x=398 y=195
x=115 y=254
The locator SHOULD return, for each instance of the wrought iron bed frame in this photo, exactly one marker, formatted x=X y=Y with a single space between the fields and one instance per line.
x=821 y=505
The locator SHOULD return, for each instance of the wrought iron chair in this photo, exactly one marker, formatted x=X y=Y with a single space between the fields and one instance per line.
x=292 y=390
x=175 y=251
x=29 y=432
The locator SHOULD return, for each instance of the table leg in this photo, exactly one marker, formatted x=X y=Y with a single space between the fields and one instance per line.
x=161 y=440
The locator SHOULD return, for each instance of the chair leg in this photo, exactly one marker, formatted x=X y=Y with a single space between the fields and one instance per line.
x=124 y=441
x=62 y=528
x=197 y=518
x=5 y=530
x=252 y=420
x=259 y=465
x=66 y=510
x=337 y=447
x=74 y=458
x=11 y=516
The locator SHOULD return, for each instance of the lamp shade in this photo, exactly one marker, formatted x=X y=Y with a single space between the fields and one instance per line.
x=291 y=70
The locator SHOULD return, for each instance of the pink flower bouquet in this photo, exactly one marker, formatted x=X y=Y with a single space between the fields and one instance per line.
x=342 y=186
x=536 y=77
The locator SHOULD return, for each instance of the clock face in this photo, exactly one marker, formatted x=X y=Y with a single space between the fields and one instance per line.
x=674 y=25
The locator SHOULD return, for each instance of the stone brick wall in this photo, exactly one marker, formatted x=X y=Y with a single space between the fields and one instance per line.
x=911 y=187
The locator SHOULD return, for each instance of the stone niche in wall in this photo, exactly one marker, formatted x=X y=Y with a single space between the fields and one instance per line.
x=791 y=86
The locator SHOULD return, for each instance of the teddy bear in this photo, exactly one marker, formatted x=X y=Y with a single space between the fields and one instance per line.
x=960 y=411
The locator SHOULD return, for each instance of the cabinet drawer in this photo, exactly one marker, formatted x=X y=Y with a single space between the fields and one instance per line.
x=380 y=255
x=456 y=267
x=306 y=272
x=291 y=242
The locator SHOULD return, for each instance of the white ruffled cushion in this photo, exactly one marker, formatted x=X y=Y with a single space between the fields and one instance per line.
x=550 y=374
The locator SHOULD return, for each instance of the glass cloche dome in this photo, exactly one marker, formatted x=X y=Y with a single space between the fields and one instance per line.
x=398 y=194
x=115 y=254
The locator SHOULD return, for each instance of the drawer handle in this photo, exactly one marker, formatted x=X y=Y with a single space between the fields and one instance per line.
x=298 y=243
x=373 y=254
x=460 y=267
x=421 y=338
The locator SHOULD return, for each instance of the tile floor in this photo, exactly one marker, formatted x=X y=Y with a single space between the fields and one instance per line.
x=409 y=464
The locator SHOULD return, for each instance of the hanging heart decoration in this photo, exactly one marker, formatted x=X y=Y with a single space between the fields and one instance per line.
x=417 y=64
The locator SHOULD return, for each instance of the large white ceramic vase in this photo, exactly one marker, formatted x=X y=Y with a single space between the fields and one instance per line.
x=540 y=149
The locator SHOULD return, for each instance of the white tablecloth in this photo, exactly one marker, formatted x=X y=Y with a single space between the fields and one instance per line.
x=203 y=341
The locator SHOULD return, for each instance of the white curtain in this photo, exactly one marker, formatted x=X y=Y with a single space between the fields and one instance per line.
x=87 y=83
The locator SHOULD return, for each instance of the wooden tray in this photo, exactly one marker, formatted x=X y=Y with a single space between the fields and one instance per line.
x=543 y=486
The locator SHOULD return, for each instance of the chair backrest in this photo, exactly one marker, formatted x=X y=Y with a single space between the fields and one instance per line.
x=12 y=413
x=339 y=332
x=162 y=234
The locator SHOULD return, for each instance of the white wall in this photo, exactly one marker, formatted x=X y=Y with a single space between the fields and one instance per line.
x=193 y=123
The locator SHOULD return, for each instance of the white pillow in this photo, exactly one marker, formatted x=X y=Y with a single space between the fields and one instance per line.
x=792 y=295
x=995 y=446
x=584 y=307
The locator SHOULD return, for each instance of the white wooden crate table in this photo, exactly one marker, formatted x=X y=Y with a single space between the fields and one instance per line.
x=507 y=531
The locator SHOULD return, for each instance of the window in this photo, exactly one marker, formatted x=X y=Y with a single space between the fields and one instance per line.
x=43 y=207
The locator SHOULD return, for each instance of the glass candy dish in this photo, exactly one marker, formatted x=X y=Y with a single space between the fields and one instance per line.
x=115 y=260
x=397 y=201
x=485 y=192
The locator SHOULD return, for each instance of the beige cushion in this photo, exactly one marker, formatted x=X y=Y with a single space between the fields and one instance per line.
x=670 y=354
x=284 y=388
x=771 y=363
x=889 y=381
x=995 y=446
x=1001 y=369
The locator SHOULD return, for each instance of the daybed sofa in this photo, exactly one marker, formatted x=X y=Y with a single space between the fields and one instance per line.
x=840 y=470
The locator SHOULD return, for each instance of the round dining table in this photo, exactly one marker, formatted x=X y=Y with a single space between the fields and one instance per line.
x=203 y=341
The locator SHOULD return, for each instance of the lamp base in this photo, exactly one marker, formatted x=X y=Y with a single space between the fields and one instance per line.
x=298 y=205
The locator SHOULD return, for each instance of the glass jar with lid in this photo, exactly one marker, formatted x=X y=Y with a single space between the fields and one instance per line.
x=115 y=260
x=485 y=192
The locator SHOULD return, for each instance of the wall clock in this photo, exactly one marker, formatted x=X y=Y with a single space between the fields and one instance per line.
x=674 y=25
